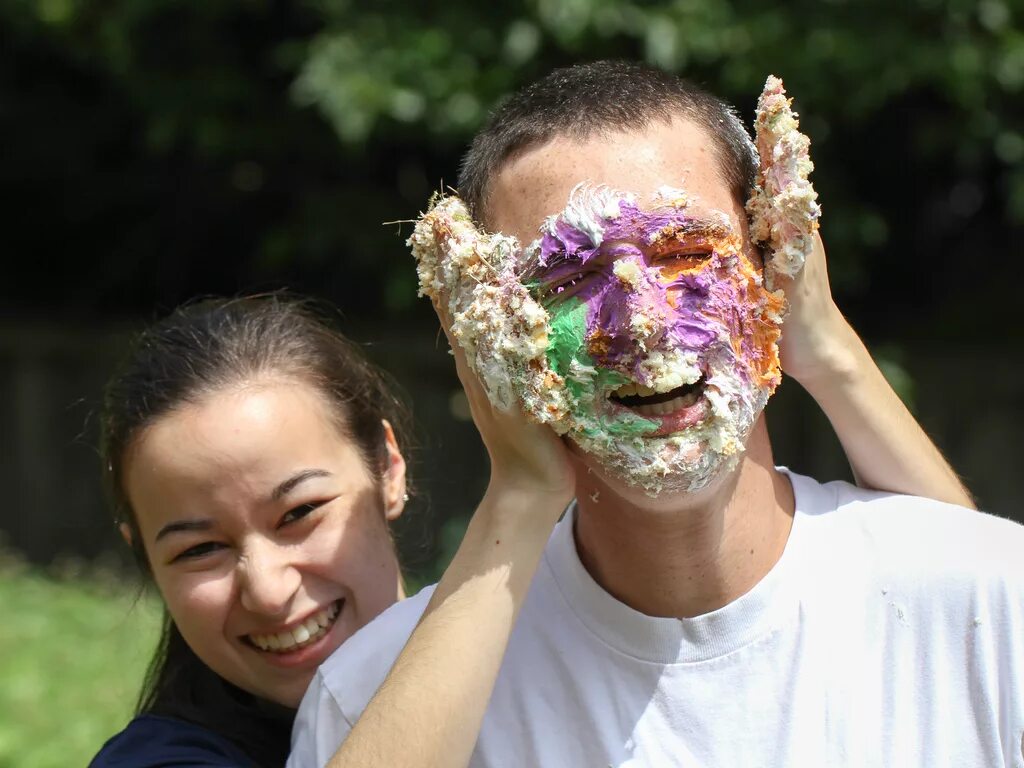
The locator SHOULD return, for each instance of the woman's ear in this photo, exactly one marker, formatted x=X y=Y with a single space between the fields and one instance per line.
x=126 y=533
x=395 y=494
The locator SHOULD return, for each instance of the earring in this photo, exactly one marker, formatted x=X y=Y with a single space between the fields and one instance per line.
x=405 y=498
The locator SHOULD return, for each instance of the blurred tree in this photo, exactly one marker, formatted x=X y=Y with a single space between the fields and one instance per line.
x=162 y=148
x=914 y=109
x=159 y=154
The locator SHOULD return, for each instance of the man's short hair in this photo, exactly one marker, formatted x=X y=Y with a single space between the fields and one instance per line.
x=603 y=96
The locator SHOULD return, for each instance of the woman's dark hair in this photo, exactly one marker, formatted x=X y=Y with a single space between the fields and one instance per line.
x=200 y=349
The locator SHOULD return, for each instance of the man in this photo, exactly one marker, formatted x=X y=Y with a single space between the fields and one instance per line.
x=699 y=606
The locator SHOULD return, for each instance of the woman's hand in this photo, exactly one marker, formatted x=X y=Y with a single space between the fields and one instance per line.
x=435 y=695
x=817 y=342
x=886 y=447
x=526 y=458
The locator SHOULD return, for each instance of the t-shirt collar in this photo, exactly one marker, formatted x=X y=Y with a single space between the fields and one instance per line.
x=771 y=603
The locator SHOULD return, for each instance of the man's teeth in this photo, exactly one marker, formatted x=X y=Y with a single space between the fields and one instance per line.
x=310 y=630
x=631 y=389
x=664 y=409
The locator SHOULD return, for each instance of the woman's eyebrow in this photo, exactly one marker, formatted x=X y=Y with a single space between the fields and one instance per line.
x=282 y=490
x=295 y=480
x=183 y=526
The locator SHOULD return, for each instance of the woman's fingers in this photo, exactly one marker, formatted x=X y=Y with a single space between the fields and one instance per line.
x=522 y=453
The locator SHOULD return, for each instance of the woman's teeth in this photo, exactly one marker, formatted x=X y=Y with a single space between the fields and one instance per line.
x=310 y=630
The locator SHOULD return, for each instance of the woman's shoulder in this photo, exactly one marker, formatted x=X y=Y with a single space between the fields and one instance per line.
x=152 y=741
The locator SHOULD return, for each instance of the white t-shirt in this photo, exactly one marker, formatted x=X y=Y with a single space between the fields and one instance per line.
x=890 y=633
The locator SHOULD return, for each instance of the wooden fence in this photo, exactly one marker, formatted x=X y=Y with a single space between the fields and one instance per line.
x=51 y=381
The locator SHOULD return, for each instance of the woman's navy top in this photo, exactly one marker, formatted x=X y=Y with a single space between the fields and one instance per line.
x=152 y=741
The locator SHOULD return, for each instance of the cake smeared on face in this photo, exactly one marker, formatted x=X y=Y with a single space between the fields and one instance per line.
x=783 y=206
x=644 y=334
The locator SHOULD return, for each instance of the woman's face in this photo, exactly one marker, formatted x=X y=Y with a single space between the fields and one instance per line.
x=266 y=532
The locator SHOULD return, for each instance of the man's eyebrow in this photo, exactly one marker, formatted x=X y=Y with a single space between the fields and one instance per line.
x=700 y=228
x=701 y=225
x=183 y=526
x=298 y=478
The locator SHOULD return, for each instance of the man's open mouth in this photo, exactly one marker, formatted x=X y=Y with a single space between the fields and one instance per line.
x=649 y=403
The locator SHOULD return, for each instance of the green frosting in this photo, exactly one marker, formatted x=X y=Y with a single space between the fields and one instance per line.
x=566 y=336
x=567 y=333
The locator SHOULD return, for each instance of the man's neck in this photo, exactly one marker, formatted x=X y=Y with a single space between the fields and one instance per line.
x=710 y=551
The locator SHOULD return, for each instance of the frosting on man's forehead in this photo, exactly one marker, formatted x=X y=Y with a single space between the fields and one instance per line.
x=597 y=217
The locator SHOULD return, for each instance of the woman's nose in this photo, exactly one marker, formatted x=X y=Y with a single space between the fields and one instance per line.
x=269 y=579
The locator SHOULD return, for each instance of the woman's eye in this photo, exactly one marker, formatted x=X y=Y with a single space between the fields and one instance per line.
x=299 y=512
x=198 y=550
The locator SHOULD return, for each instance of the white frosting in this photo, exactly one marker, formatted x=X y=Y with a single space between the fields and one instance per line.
x=783 y=207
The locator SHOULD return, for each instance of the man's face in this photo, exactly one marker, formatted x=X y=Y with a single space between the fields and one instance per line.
x=658 y=323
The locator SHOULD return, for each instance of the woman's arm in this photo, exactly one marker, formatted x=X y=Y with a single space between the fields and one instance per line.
x=429 y=709
x=886 y=447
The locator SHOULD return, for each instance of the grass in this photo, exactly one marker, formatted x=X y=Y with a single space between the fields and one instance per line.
x=73 y=650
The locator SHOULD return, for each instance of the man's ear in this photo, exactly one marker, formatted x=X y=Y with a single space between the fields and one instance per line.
x=395 y=494
x=126 y=533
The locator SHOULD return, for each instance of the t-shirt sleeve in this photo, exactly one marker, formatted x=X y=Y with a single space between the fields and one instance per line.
x=320 y=727
x=159 y=742
x=348 y=679
x=1003 y=610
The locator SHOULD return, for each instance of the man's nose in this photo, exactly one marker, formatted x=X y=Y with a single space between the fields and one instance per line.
x=269 y=578
x=635 y=310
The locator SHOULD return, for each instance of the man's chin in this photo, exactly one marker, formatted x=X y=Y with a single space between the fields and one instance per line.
x=664 y=473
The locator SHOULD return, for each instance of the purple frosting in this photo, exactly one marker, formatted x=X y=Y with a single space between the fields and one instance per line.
x=569 y=262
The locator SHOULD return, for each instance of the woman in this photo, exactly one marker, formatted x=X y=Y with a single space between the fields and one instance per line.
x=251 y=455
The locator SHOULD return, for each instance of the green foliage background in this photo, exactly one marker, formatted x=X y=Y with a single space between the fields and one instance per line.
x=174 y=146
x=73 y=648
x=159 y=149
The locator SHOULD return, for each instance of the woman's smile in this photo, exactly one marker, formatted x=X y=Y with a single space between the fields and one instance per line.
x=299 y=634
